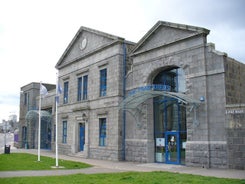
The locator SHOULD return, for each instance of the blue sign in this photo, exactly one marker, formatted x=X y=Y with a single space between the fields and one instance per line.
x=153 y=87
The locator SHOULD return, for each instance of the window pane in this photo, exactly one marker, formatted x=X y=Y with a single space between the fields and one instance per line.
x=64 y=137
x=85 y=87
x=102 y=138
x=79 y=89
x=103 y=80
x=66 y=86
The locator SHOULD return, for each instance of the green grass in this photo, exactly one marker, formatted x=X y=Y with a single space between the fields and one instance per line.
x=24 y=161
x=123 y=178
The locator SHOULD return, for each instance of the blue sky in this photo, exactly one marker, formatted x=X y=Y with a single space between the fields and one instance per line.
x=35 y=33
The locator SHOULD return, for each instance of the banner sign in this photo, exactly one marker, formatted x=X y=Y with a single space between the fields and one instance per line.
x=153 y=87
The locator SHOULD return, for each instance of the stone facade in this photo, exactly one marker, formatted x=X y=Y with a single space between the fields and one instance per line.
x=211 y=79
x=101 y=51
x=29 y=104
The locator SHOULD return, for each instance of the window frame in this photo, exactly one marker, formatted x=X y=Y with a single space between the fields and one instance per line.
x=82 y=88
x=85 y=87
x=66 y=92
x=103 y=82
x=64 y=132
x=79 y=88
x=102 y=132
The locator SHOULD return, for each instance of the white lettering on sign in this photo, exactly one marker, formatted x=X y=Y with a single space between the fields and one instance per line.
x=234 y=111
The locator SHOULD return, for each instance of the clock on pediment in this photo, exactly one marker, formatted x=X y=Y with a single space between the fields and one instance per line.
x=83 y=44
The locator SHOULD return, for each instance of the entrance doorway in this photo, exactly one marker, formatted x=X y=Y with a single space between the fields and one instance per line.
x=170 y=131
x=82 y=136
x=170 y=119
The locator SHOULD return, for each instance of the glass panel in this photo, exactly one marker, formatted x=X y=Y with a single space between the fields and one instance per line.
x=170 y=119
x=82 y=136
x=103 y=81
x=160 y=149
x=181 y=80
x=172 y=149
x=79 y=89
x=183 y=138
x=85 y=87
x=66 y=85
x=102 y=135
x=182 y=117
x=64 y=132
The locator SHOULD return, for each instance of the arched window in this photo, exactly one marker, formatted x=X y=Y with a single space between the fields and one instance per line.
x=175 y=78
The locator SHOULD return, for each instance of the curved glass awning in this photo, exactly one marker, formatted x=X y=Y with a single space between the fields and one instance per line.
x=134 y=100
x=32 y=115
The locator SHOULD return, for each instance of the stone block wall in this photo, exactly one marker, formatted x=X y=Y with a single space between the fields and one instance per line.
x=236 y=148
x=206 y=155
x=235 y=113
x=235 y=134
x=234 y=78
x=140 y=134
x=136 y=150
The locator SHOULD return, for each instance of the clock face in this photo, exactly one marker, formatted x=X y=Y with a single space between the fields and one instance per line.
x=83 y=44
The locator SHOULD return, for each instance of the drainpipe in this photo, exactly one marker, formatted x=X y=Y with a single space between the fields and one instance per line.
x=124 y=96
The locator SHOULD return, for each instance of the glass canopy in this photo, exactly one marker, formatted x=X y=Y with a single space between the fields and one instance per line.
x=134 y=100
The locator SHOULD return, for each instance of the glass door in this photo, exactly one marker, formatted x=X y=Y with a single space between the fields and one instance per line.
x=172 y=148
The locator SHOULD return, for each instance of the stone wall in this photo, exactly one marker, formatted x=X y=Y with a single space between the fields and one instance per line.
x=206 y=155
x=140 y=134
x=235 y=113
x=234 y=78
x=95 y=106
x=235 y=133
x=236 y=148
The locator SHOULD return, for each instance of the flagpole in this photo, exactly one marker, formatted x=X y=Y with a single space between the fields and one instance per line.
x=39 y=123
x=56 y=122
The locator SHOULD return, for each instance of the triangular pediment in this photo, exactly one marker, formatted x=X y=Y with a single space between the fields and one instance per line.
x=164 y=33
x=86 y=42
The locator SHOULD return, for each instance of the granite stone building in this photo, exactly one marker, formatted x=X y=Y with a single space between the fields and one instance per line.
x=28 y=119
x=169 y=98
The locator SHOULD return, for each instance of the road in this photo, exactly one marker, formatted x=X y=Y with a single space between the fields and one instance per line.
x=9 y=140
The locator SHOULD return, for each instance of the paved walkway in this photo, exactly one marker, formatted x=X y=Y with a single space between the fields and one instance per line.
x=102 y=166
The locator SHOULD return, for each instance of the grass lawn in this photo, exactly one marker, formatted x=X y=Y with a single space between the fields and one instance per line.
x=122 y=178
x=24 y=161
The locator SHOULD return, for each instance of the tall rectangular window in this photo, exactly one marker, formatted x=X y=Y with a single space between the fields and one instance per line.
x=79 y=88
x=66 y=90
x=64 y=134
x=102 y=136
x=82 y=88
x=103 y=82
x=85 y=87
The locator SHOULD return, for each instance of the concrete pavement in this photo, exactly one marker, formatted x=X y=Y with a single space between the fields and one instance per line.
x=102 y=166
